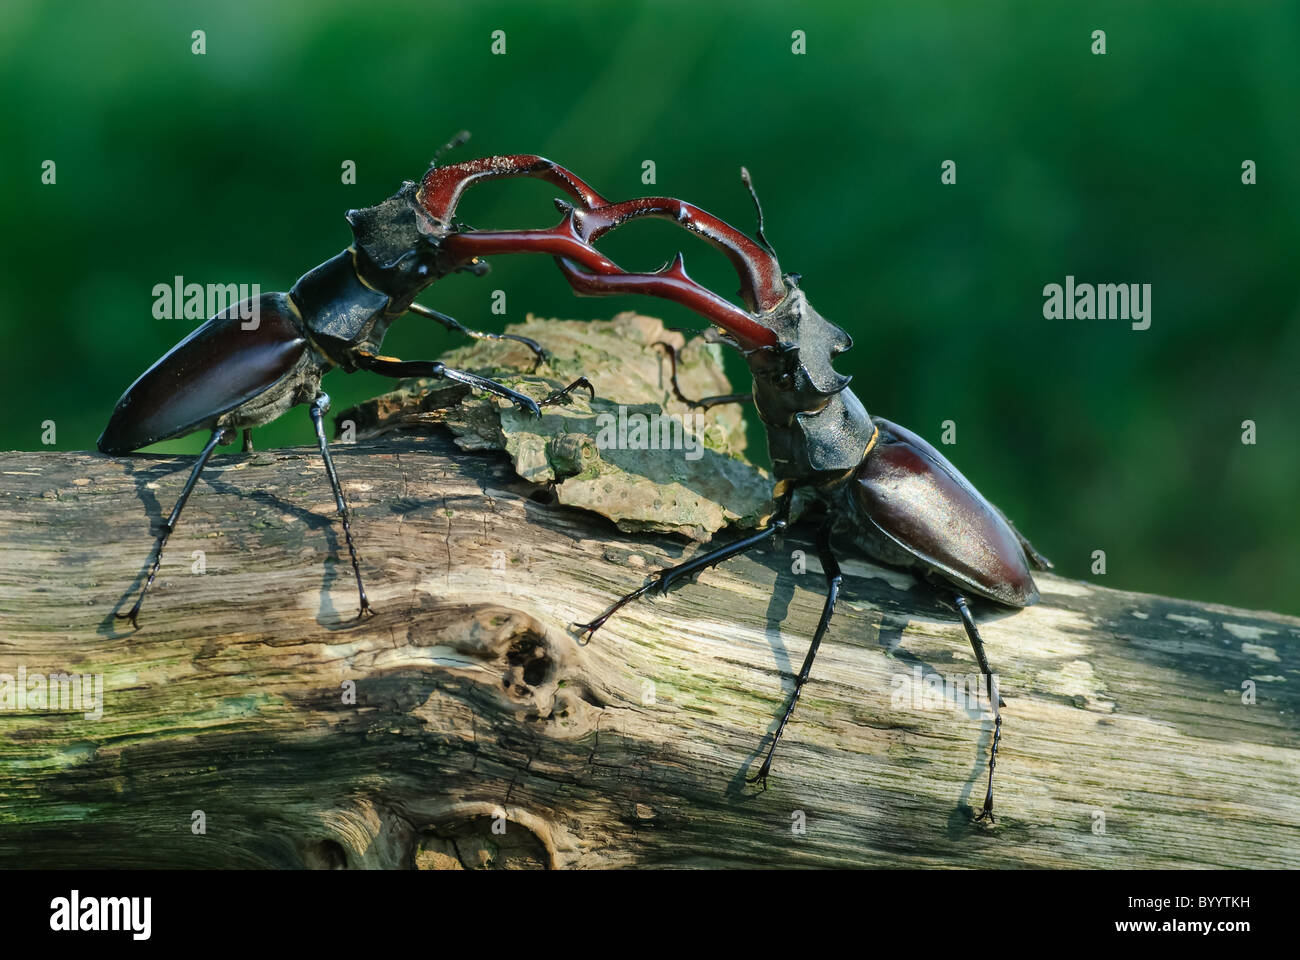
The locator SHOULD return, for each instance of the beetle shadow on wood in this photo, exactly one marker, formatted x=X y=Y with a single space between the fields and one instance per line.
x=335 y=554
x=925 y=599
x=778 y=609
x=143 y=473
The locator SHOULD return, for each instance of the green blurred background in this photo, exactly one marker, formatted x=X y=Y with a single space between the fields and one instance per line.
x=1118 y=168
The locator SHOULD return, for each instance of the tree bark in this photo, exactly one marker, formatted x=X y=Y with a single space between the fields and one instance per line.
x=482 y=733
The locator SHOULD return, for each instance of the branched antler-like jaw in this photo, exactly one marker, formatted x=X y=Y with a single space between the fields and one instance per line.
x=790 y=346
x=761 y=284
x=762 y=287
x=814 y=424
x=590 y=272
x=789 y=343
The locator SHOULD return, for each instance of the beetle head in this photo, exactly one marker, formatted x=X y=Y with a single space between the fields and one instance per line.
x=398 y=247
x=797 y=375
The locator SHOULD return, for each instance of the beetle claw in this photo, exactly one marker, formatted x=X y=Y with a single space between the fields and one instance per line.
x=562 y=395
x=527 y=405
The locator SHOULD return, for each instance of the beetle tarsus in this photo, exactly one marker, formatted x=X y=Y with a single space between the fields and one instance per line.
x=588 y=630
x=993 y=762
x=562 y=395
x=523 y=403
x=988 y=797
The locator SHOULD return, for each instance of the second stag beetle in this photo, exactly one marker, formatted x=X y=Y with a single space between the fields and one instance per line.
x=880 y=487
x=251 y=363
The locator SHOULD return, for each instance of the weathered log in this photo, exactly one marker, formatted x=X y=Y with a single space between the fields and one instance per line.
x=1139 y=731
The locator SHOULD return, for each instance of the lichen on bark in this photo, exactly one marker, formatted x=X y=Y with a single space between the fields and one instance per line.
x=633 y=453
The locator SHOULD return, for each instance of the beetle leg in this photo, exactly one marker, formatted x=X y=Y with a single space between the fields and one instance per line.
x=664 y=579
x=220 y=435
x=248 y=440
x=402 y=369
x=706 y=402
x=319 y=407
x=451 y=323
x=963 y=608
x=833 y=580
x=562 y=395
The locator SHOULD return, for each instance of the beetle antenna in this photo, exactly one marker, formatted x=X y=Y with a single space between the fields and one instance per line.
x=451 y=144
x=749 y=185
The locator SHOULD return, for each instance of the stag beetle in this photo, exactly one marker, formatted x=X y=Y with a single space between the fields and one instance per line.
x=230 y=374
x=880 y=486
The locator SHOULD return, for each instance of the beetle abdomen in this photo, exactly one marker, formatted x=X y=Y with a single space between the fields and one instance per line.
x=918 y=500
x=216 y=368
